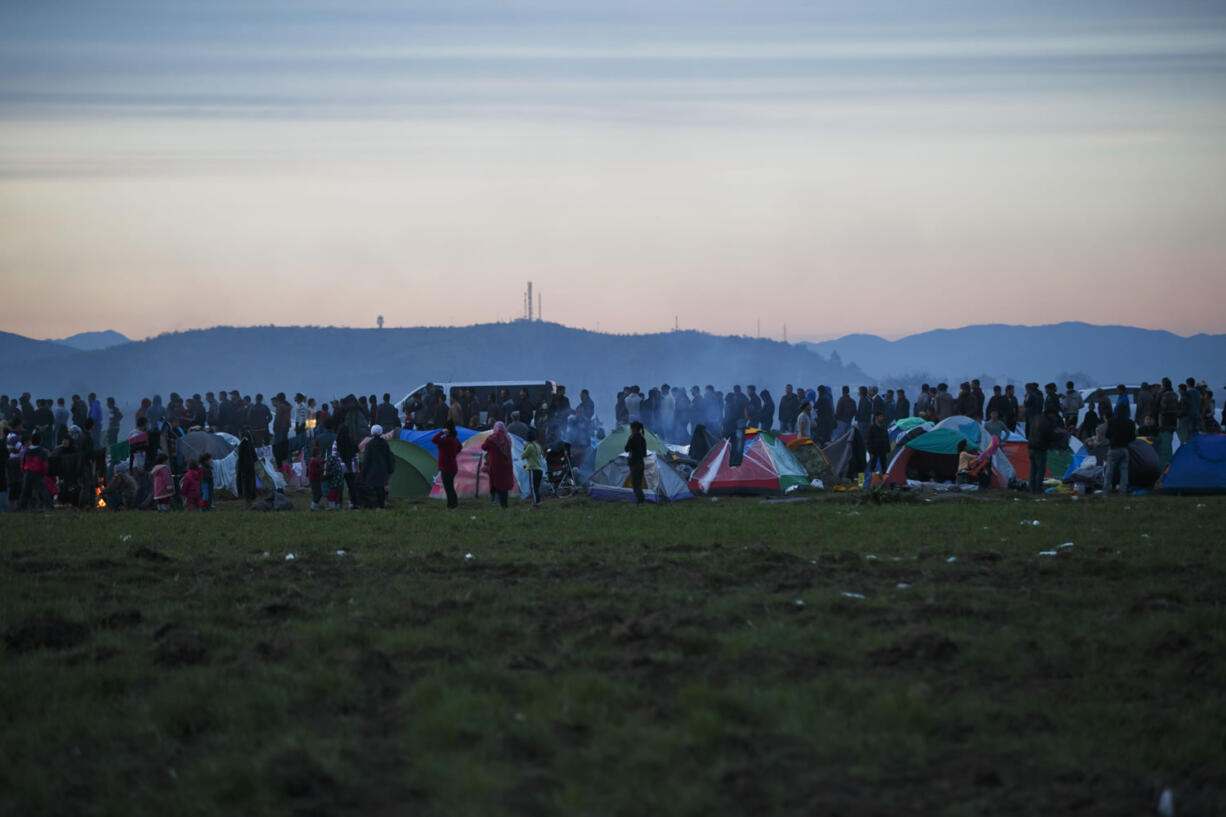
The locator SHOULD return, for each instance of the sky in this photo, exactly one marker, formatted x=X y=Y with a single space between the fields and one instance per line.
x=883 y=166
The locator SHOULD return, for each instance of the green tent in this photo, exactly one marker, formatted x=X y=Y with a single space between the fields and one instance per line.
x=415 y=470
x=615 y=444
x=942 y=441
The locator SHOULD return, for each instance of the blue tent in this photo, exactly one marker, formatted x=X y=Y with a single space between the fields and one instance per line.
x=1198 y=467
x=421 y=439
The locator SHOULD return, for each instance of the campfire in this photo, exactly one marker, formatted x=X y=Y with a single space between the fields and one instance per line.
x=99 y=502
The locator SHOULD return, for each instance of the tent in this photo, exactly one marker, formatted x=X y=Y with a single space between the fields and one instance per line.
x=933 y=457
x=615 y=443
x=1058 y=459
x=422 y=439
x=813 y=460
x=415 y=470
x=1143 y=465
x=847 y=455
x=472 y=477
x=766 y=467
x=1198 y=467
x=660 y=482
x=980 y=440
x=900 y=427
x=194 y=444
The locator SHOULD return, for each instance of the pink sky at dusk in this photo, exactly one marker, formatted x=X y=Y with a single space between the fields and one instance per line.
x=830 y=184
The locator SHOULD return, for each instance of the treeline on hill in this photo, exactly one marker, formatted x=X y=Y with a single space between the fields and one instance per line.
x=331 y=362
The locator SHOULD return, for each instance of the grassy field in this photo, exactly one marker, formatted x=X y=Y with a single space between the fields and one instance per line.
x=730 y=657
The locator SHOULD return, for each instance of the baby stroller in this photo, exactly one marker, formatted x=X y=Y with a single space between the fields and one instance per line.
x=559 y=472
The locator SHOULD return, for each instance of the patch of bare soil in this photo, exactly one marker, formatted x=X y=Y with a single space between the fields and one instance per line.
x=918 y=644
x=45 y=631
x=147 y=553
x=176 y=646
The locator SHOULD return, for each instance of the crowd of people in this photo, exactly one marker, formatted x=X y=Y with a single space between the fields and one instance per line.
x=55 y=450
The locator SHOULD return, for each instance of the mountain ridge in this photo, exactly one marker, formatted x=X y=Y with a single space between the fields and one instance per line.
x=1104 y=353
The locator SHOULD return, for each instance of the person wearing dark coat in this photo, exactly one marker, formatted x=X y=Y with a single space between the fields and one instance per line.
x=245 y=468
x=878 y=444
x=902 y=406
x=823 y=416
x=378 y=464
x=767 y=412
x=789 y=407
x=347 y=450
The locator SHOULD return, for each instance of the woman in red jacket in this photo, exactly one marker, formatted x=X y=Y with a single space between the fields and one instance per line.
x=448 y=449
x=497 y=449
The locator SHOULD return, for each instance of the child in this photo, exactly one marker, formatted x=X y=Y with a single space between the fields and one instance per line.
x=965 y=461
x=532 y=463
x=206 y=481
x=190 y=486
x=163 y=483
x=315 y=476
x=334 y=475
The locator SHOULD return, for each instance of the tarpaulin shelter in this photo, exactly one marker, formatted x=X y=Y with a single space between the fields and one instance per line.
x=472 y=477
x=766 y=467
x=661 y=483
x=1198 y=467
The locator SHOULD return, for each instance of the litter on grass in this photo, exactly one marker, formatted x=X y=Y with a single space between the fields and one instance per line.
x=340 y=553
x=1047 y=553
x=952 y=559
x=800 y=602
x=902 y=585
x=1065 y=545
x=467 y=556
x=289 y=557
x=854 y=595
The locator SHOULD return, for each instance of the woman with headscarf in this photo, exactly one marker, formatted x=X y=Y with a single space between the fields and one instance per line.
x=377 y=467
x=497 y=448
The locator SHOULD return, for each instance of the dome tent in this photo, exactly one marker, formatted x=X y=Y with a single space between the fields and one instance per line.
x=660 y=482
x=765 y=466
x=1198 y=467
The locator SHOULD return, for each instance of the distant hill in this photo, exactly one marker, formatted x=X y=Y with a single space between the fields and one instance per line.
x=1104 y=354
x=331 y=362
x=20 y=350
x=92 y=341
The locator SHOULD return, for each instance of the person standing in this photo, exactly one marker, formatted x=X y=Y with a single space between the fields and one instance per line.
x=532 y=463
x=844 y=413
x=95 y=414
x=789 y=408
x=280 y=427
x=878 y=445
x=902 y=406
x=497 y=448
x=1191 y=413
x=378 y=465
x=823 y=416
x=163 y=483
x=1121 y=431
x=804 y=421
x=449 y=446
x=113 y=418
x=636 y=449
x=767 y=412
x=864 y=411
x=1070 y=405
x=1037 y=443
